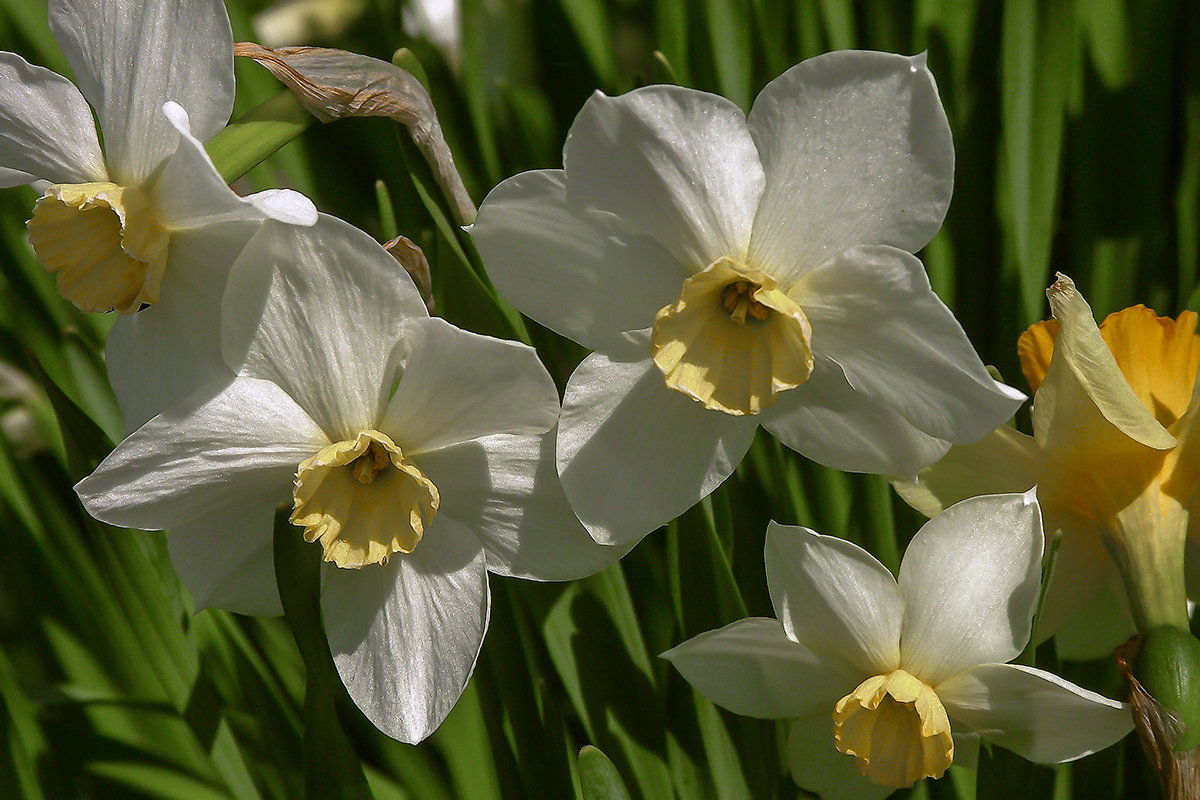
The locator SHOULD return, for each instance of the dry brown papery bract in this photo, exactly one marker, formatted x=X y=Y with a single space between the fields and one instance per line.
x=1159 y=730
x=334 y=84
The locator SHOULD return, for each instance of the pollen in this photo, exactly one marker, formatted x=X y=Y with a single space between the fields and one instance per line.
x=363 y=501
x=733 y=341
x=102 y=243
x=896 y=728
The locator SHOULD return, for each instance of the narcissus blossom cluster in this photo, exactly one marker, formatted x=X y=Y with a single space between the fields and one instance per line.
x=727 y=271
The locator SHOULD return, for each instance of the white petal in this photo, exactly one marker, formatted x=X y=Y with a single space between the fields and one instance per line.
x=873 y=312
x=579 y=275
x=162 y=354
x=506 y=490
x=456 y=386
x=15 y=177
x=284 y=205
x=48 y=132
x=1002 y=462
x=632 y=453
x=1037 y=715
x=818 y=766
x=857 y=150
x=834 y=597
x=190 y=193
x=318 y=311
x=130 y=58
x=970 y=580
x=225 y=558
x=827 y=421
x=201 y=455
x=674 y=164
x=752 y=668
x=405 y=636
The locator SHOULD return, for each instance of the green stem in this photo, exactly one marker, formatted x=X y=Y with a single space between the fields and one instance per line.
x=331 y=768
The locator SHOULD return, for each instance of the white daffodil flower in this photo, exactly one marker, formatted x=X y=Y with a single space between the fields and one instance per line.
x=895 y=679
x=733 y=271
x=147 y=220
x=419 y=457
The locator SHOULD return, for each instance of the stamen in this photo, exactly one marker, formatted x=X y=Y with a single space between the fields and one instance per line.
x=370 y=463
x=738 y=300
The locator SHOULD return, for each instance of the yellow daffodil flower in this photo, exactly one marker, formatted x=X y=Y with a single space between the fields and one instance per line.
x=1113 y=454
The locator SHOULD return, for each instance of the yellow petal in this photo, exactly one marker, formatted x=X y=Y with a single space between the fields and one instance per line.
x=733 y=341
x=363 y=501
x=1083 y=374
x=1035 y=347
x=1158 y=356
x=103 y=243
x=896 y=728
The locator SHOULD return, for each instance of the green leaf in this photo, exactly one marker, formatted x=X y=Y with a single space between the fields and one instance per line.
x=1004 y=775
x=1036 y=70
x=589 y=20
x=243 y=145
x=729 y=38
x=598 y=777
x=87 y=443
x=22 y=743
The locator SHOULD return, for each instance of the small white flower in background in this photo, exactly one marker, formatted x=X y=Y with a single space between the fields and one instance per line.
x=146 y=220
x=418 y=455
x=903 y=676
x=733 y=271
x=439 y=21
x=297 y=22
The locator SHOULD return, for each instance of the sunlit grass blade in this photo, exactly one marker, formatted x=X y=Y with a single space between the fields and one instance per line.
x=1036 y=46
x=729 y=39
